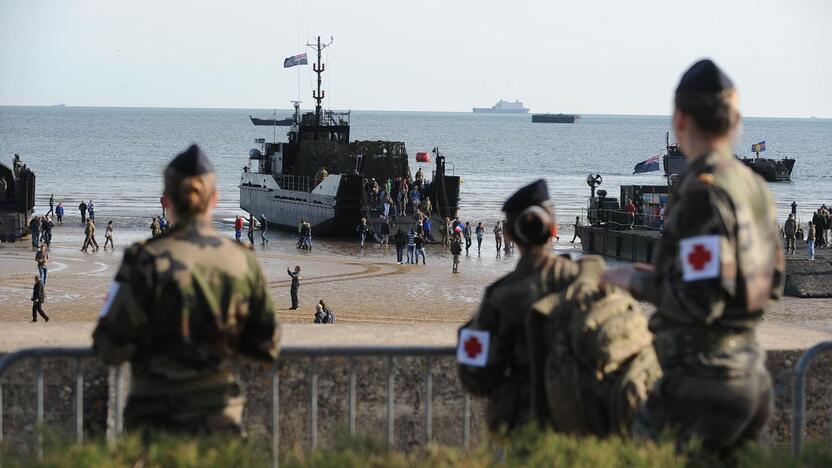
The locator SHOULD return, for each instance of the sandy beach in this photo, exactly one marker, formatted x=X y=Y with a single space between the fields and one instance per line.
x=362 y=286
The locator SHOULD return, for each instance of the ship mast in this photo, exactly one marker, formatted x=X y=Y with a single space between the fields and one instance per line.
x=318 y=68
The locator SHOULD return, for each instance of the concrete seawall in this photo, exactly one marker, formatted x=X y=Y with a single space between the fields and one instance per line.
x=19 y=405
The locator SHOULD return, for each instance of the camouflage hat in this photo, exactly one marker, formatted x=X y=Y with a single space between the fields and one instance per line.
x=191 y=162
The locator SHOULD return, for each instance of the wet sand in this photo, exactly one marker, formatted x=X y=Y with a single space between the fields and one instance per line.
x=365 y=286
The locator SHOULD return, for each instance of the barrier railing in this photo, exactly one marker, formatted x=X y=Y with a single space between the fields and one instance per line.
x=313 y=354
x=799 y=394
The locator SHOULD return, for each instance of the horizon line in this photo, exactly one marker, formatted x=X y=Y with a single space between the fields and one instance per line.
x=385 y=110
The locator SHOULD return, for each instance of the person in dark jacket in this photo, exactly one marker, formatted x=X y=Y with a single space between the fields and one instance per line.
x=295 y=275
x=37 y=301
x=83 y=209
x=330 y=314
x=401 y=241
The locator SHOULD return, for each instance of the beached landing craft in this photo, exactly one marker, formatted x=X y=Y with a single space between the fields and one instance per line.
x=321 y=176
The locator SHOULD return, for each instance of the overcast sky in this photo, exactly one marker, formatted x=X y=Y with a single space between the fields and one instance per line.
x=585 y=56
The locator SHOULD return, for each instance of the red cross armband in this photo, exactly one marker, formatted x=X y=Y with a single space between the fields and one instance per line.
x=472 y=349
x=700 y=257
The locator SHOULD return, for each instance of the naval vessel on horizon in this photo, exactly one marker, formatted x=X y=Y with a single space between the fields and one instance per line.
x=321 y=176
x=503 y=107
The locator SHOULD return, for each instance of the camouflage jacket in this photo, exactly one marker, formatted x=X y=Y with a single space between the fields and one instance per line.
x=503 y=375
x=181 y=306
x=719 y=260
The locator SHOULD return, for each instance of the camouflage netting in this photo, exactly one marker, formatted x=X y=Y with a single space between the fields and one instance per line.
x=341 y=159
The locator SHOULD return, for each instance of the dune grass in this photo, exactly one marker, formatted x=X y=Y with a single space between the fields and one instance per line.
x=528 y=449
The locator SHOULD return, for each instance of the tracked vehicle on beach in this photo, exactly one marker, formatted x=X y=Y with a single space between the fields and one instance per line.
x=318 y=174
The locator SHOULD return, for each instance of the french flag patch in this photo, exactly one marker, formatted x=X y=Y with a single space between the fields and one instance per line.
x=472 y=349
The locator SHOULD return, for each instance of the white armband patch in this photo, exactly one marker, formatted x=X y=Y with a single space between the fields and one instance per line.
x=108 y=299
x=472 y=349
x=700 y=257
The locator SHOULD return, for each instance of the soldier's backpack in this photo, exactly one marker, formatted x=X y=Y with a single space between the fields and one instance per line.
x=592 y=357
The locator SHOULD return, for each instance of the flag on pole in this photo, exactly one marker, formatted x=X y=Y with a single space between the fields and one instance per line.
x=758 y=147
x=648 y=165
x=299 y=59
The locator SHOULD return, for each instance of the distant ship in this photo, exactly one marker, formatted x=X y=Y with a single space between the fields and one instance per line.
x=772 y=170
x=555 y=118
x=503 y=107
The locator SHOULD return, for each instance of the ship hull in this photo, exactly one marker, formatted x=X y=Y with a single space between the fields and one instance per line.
x=554 y=118
x=772 y=170
x=272 y=122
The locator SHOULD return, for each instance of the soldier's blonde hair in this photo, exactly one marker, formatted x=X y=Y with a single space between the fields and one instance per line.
x=189 y=196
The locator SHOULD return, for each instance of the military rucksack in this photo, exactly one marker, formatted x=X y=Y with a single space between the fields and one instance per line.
x=592 y=357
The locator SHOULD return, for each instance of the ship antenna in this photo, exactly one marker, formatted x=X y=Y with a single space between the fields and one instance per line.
x=319 y=68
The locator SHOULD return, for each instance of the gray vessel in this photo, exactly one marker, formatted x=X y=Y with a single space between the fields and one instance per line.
x=503 y=107
x=319 y=175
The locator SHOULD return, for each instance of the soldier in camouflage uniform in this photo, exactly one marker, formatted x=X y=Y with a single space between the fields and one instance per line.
x=493 y=350
x=718 y=264
x=182 y=306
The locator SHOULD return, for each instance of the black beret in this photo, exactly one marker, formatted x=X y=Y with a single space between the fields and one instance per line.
x=191 y=162
x=704 y=77
x=535 y=193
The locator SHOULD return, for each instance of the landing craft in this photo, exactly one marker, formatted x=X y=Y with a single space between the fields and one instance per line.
x=323 y=177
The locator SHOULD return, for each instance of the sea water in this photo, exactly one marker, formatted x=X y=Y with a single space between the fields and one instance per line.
x=115 y=156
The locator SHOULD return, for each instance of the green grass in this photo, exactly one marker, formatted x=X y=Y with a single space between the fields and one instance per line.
x=528 y=449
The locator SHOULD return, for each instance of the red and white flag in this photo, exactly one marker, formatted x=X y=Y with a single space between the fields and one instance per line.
x=700 y=257
x=472 y=349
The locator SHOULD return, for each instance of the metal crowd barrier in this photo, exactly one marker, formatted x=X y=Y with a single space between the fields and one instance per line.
x=116 y=376
x=799 y=394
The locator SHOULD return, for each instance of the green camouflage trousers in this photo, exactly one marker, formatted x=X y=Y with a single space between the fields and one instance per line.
x=721 y=409
x=199 y=412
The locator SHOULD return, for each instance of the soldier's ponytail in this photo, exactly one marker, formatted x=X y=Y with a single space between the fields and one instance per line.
x=716 y=114
x=189 y=196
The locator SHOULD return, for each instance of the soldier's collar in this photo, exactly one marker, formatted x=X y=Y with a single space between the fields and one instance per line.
x=193 y=224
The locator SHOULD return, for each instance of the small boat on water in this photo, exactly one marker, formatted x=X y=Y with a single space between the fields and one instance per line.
x=772 y=170
x=555 y=118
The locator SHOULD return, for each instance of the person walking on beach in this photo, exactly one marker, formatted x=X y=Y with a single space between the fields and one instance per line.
x=293 y=291
x=362 y=229
x=89 y=232
x=59 y=212
x=42 y=259
x=38 y=298
x=479 y=231
x=182 y=308
x=577 y=227
x=466 y=232
x=46 y=230
x=385 y=231
x=790 y=230
x=162 y=202
x=91 y=210
x=264 y=227
x=716 y=269
x=400 y=239
x=411 y=247
x=83 y=209
x=419 y=247
x=51 y=205
x=238 y=229
x=108 y=236
x=810 y=240
x=794 y=208
x=498 y=235
x=306 y=230
x=456 y=250
x=252 y=225
x=34 y=231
